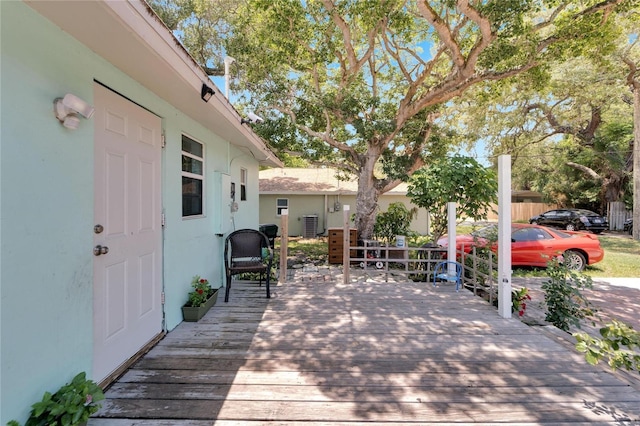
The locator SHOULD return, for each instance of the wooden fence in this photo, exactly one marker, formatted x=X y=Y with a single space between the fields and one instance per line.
x=522 y=212
x=616 y=215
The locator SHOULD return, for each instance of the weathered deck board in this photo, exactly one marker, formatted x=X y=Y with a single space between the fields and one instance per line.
x=365 y=353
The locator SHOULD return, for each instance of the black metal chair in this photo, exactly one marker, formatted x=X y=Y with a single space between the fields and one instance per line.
x=247 y=251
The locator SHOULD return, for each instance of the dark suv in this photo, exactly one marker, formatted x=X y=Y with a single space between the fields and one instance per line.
x=628 y=226
x=572 y=220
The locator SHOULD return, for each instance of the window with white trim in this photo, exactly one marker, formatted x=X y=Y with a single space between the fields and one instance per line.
x=192 y=177
x=243 y=184
x=281 y=204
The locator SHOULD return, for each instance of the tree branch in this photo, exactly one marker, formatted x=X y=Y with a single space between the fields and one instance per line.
x=444 y=33
x=589 y=171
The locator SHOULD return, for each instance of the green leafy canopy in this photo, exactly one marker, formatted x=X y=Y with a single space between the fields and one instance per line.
x=458 y=179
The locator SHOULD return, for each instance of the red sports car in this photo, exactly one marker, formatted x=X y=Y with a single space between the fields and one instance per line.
x=534 y=245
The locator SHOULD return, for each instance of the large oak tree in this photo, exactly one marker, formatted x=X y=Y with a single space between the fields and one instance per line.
x=571 y=133
x=358 y=84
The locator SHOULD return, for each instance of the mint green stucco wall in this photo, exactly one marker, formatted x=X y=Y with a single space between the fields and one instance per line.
x=46 y=209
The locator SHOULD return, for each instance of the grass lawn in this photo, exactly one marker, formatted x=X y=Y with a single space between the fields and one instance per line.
x=621 y=259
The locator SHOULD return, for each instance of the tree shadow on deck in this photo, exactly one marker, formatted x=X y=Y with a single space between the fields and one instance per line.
x=320 y=351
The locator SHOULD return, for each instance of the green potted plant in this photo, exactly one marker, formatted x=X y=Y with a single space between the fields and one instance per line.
x=71 y=405
x=201 y=299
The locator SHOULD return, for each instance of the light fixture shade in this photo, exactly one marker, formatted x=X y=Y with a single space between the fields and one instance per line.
x=76 y=104
x=67 y=109
x=71 y=122
x=206 y=92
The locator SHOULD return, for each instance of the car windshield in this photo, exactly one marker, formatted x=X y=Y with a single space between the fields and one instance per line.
x=488 y=232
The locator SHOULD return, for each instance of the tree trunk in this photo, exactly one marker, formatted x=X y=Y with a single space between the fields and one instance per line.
x=367 y=197
x=636 y=159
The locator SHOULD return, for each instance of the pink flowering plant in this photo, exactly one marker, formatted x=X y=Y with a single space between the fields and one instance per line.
x=201 y=292
x=519 y=298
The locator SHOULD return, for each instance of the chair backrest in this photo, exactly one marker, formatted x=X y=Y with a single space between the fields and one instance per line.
x=245 y=243
x=444 y=266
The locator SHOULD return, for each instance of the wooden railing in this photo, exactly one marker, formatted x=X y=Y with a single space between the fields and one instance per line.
x=418 y=264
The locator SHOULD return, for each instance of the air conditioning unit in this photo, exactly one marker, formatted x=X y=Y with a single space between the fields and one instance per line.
x=309 y=226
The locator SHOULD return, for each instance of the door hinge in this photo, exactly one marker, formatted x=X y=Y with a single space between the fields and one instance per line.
x=162 y=298
x=163 y=221
x=163 y=140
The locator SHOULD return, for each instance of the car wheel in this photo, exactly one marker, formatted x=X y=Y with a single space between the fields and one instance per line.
x=574 y=260
x=571 y=227
x=597 y=232
x=535 y=222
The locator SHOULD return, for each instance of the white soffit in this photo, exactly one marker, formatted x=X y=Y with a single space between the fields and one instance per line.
x=129 y=35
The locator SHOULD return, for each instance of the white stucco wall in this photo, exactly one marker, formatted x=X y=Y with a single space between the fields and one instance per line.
x=46 y=210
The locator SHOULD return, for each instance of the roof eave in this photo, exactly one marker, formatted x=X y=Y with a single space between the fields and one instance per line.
x=156 y=59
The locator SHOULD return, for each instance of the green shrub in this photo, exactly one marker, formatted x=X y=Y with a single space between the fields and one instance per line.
x=395 y=221
x=616 y=336
x=566 y=305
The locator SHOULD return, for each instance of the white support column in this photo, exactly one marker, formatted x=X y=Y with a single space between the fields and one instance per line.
x=504 y=236
x=346 y=243
x=451 y=236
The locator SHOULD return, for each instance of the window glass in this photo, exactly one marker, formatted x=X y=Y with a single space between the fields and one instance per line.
x=191 y=146
x=191 y=165
x=243 y=184
x=544 y=235
x=281 y=204
x=521 y=235
x=192 y=177
x=191 y=196
x=530 y=234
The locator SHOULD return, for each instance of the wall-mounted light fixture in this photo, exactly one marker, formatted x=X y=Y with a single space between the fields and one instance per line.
x=206 y=92
x=67 y=109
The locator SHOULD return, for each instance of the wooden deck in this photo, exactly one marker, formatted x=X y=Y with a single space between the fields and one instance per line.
x=323 y=353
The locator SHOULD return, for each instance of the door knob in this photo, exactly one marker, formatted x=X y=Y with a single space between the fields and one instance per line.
x=98 y=250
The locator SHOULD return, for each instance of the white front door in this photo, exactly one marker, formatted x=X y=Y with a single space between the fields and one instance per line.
x=127 y=268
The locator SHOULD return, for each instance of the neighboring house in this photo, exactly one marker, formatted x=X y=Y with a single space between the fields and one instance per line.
x=315 y=196
x=103 y=226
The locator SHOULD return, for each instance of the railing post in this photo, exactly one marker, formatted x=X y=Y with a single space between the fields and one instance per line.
x=346 y=243
x=490 y=277
x=475 y=271
x=284 y=242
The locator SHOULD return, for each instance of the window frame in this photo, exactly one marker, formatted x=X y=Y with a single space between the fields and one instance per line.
x=192 y=175
x=279 y=208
